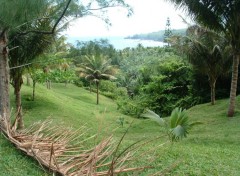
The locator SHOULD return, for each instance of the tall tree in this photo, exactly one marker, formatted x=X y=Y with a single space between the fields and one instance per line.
x=10 y=21
x=223 y=16
x=97 y=68
x=27 y=49
x=4 y=81
x=27 y=14
x=208 y=52
x=168 y=31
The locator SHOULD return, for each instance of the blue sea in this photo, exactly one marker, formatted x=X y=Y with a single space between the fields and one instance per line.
x=119 y=42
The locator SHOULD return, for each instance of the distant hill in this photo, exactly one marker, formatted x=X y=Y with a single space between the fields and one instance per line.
x=156 y=36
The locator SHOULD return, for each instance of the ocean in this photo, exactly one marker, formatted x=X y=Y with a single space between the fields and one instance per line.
x=119 y=42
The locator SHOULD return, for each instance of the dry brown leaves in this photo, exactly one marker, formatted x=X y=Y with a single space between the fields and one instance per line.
x=62 y=151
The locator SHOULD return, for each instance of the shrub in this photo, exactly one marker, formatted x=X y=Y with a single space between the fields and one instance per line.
x=107 y=86
x=108 y=94
x=133 y=107
x=78 y=82
x=121 y=92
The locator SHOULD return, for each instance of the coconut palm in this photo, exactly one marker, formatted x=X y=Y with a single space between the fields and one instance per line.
x=206 y=51
x=96 y=68
x=222 y=16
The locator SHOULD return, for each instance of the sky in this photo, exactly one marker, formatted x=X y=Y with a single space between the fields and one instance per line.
x=148 y=16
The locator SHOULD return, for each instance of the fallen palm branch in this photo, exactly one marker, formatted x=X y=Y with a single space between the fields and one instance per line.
x=62 y=151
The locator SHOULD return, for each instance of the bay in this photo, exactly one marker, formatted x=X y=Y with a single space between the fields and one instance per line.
x=118 y=42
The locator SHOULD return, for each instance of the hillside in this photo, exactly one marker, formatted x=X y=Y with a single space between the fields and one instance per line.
x=211 y=148
x=156 y=36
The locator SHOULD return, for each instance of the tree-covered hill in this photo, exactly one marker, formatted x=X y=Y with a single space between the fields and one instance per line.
x=156 y=36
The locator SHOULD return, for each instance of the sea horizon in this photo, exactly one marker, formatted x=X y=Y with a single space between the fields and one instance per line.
x=119 y=42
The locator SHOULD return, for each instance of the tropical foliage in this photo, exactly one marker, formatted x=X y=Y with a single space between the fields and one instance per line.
x=221 y=16
x=208 y=53
x=151 y=77
x=157 y=78
x=39 y=19
x=96 y=68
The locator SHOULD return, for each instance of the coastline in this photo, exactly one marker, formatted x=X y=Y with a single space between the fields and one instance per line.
x=119 y=42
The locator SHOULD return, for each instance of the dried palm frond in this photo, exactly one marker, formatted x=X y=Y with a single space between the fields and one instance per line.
x=62 y=151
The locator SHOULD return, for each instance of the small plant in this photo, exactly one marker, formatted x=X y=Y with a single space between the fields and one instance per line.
x=120 y=121
x=178 y=126
x=132 y=107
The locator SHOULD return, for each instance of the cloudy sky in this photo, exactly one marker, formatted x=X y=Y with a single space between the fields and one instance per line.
x=149 y=16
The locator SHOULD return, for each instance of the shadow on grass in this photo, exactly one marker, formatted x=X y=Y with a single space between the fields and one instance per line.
x=39 y=103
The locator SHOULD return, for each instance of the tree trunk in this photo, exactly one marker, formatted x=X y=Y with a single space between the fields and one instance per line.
x=47 y=84
x=17 y=84
x=90 y=87
x=4 y=80
x=97 y=84
x=213 y=88
x=28 y=80
x=233 y=90
x=33 y=93
x=50 y=84
x=19 y=109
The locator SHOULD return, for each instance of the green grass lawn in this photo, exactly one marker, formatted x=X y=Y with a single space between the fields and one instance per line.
x=211 y=148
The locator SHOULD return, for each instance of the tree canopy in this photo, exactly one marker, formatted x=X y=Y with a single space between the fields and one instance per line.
x=222 y=16
x=97 y=68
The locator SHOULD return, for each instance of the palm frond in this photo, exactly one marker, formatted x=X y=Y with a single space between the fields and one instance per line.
x=203 y=12
x=87 y=70
x=89 y=77
x=152 y=115
x=61 y=150
x=98 y=67
x=206 y=51
x=108 y=77
x=179 y=124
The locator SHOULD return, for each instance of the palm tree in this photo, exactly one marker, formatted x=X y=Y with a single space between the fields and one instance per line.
x=206 y=52
x=177 y=126
x=222 y=16
x=96 y=68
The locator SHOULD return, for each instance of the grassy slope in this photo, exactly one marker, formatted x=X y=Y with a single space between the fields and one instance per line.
x=211 y=148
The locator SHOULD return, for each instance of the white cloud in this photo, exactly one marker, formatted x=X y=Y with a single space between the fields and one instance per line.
x=149 y=16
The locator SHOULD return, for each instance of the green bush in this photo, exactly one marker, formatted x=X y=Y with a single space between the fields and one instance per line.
x=108 y=94
x=61 y=76
x=107 y=86
x=78 y=82
x=132 y=107
x=117 y=93
x=163 y=90
x=120 y=92
x=110 y=89
x=159 y=80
